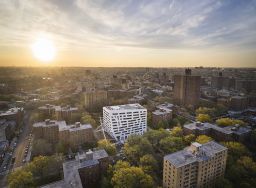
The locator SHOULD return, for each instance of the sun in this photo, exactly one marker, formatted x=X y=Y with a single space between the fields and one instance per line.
x=44 y=50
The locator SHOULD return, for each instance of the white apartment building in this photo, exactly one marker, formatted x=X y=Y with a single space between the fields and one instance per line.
x=124 y=120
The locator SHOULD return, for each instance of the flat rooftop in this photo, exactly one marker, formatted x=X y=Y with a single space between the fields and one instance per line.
x=186 y=156
x=50 y=123
x=57 y=108
x=161 y=112
x=227 y=130
x=11 y=111
x=71 y=170
x=125 y=107
x=62 y=125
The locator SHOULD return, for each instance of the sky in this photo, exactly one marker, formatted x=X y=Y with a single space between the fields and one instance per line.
x=130 y=33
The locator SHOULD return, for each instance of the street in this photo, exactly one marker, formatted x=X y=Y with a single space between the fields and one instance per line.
x=18 y=153
x=23 y=141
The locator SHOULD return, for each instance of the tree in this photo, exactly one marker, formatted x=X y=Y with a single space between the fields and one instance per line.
x=229 y=122
x=236 y=149
x=21 y=179
x=43 y=166
x=223 y=183
x=205 y=110
x=177 y=131
x=171 y=144
x=202 y=139
x=248 y=164
x=87 y=118
x=41 y=147
x=174 y=122
x=131 y=177
x=154 y=136
x=135 y=147
x=75 y=117
x=149 y=119
x=220 y=109
x=149 y=164
x=61 y=148
x=161 y=125
x=203 y=118
x=109 y=147
x=189 y=138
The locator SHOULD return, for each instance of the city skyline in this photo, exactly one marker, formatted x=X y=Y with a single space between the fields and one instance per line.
x=128 y=33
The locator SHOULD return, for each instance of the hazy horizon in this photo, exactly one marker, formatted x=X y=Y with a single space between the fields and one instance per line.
x=147 y=33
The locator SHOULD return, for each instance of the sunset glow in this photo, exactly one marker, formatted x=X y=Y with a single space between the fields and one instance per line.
x=44 y=50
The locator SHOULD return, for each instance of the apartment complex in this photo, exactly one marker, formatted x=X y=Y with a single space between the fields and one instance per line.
x=55 y=131
x=163 y=112
x=187 y=89
x=61 y=112
x=196 y=166
x=229 y=133
x=84 y=171
x=95 y=98
x=124 y=120
x=13 y=114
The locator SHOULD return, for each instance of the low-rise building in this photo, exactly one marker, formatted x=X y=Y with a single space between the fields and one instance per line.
x=229 y=133
x=76 y=134
x=61 y=112
x=163 y=112
x=83 y=172
x=196 y=166
x=238 y=103
x=55 y=131
x=15 y=114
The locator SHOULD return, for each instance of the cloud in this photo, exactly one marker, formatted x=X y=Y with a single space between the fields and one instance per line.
x=145 y=23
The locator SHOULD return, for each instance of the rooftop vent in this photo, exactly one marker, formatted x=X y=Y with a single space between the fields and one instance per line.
x=89 y=155
x=47 y=121
x=77 y=124
x=199 y=124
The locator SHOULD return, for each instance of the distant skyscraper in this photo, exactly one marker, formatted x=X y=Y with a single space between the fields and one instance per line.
x=221 y=82
x=196 y=166
x=187 y=88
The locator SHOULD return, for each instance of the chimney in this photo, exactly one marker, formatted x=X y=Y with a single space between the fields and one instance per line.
x=89 y=155
x=47 y=121
x=220 y=74
x=199 y=124
x=188 y=72
x=77 y=124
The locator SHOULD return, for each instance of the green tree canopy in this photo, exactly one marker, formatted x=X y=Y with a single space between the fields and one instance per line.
x=161 y=125
x=87 y=118
x=149 y=164
x=203 y=118
x=177 y=131
x=131 y=177
x=202 y=139
x=154 y=136
x=41 y=147
x=229 y=122
x=135 y=147
x=171 y=144
x=61 y=147
x=109 y=147
x=236 y=149
x=21 y=179
x=205 y=110
x=189 y=138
